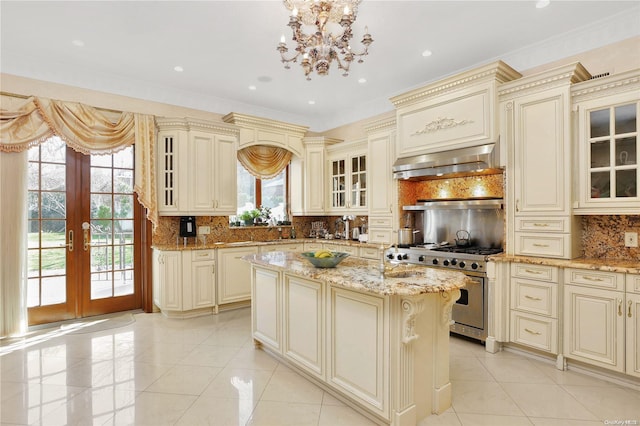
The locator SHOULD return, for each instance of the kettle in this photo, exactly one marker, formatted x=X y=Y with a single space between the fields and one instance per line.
x=355 y=233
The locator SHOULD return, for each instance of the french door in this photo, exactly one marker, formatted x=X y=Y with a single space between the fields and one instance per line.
x=83 y=234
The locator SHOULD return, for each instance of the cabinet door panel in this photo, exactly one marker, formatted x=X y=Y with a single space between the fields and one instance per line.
x=266 y=308
x=202 y=174
x=632 y=314
x=303 y=326
x=358 y=345
x=226 y=194
x=234 y=275
x=202 y=285
x=171 y=284
x=594 y=326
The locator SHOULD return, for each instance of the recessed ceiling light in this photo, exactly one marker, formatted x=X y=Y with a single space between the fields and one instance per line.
x=312 y=102
x=540 y=4
x=178 y=68
x=78 y=43
x=427 y=53
x=252 y=87
x=362 y=80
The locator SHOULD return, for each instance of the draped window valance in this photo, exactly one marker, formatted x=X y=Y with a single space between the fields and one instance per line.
x=263 y=161
x=86 y=130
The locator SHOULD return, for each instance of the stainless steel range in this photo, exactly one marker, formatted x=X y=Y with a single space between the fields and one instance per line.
x=440 y=221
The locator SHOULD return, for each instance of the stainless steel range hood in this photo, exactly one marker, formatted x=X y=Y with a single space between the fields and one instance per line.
x=463 y=160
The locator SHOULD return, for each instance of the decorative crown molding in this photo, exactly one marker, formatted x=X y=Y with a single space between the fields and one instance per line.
x=383 y=124
x=556 y=77
x=606 y=86
x=166 y=123
x=252 y=122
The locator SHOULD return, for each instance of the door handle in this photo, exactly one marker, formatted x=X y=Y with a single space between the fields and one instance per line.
x=70 y=241
x=85 y=234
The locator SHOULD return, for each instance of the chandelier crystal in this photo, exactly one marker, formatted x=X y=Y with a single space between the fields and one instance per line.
x=330 y=40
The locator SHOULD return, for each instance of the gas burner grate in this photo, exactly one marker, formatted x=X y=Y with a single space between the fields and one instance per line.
x=483 y=251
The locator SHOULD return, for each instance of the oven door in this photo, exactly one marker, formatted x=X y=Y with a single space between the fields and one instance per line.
x=469 y=308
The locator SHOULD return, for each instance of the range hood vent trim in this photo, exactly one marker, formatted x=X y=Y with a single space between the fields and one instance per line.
x=442 y=163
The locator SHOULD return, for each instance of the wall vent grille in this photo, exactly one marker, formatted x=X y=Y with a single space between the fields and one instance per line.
x=604 y=74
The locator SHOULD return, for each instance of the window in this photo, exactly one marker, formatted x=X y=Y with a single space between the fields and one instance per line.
x=272 y=193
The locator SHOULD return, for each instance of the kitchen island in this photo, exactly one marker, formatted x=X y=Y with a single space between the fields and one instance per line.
x=379 y=342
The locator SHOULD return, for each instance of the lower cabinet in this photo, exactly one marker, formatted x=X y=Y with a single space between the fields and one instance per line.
x=594 y=318
x=266 y=307
x=184 y=282
x=303 y=330
x=234 y=275
x=632 y=319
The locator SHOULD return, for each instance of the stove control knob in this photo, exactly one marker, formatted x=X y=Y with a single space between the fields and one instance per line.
x=405 y=256
x=434 y=261
x=474 y=265
x=421 y=259
x=453 y=261
x=445 y=262
x=399 y=257
x=390 y=256
x=461 y=264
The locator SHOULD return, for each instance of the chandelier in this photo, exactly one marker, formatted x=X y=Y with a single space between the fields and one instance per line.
x=320 y=48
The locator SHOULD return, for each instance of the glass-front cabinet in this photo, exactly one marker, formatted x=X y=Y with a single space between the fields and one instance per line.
x=609 y=148
x=348 y=178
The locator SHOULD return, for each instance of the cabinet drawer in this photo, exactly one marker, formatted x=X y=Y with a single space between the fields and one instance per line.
x=312 y=246
x=548 y=245
x=198 y=255
x=536 y=272
x=370 y=253
x=289 y=247
x=377 y=235
x=534 y=224
x=535 y=297
x=595 y=279
x=380 y=222
x=633 y=283
x=531 y=330
x=352 y=250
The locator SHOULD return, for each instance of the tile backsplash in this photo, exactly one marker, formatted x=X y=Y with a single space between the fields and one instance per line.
x=603 y=236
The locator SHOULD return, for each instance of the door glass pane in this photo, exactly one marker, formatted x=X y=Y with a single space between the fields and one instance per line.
x=600 y=154
x=123 y=159
x=625 y=119
x=100 y=179
x=46 y=232
x=626 y=183
x=599 y=123
x=626 y=152
x=600 y=185
x=122 y=180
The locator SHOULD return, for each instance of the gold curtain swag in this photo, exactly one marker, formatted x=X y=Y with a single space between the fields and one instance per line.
x=263 y=161
x=85 y=129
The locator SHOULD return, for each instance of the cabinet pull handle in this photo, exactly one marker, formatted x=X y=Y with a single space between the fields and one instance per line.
x=533 y=271
x=537 y=333
x=390 y=208
x=531 y=297
x=540 y=245
x=619 y=307
x=630 y=303
x=589 y=278
x=541 y=224
x=517 y=205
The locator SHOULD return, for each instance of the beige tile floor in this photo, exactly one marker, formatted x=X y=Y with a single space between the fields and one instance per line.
x=205 y=371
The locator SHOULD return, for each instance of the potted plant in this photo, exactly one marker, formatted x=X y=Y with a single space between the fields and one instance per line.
x=248 y=216
x=265 y=215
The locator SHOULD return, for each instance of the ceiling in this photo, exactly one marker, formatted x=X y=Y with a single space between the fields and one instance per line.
x=131 y=48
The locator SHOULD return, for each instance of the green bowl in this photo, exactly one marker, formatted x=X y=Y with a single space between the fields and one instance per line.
x=325 y=262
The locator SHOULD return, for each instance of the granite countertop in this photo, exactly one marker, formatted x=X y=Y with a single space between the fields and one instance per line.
x=364 y=275
x=215 y=245
x=608 y=265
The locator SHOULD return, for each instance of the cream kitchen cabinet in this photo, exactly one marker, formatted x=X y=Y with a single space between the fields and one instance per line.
x=309 y=176
x=167 y=280
x=535 y=121
x=534 y=306
x=266 y=309
x=196 y=167
x=608 y=176
x=297 y=247
x=632 y=313
x=594 y=318
x=303 y=328
x=184 y=282
x=383 y=198
x=234 y=275
x=347 y=178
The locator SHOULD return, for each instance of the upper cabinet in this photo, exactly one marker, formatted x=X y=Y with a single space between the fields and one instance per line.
x=535 y=121
x=456 y=112
x=347 y=177
x=608 y=175
x=196 y=167
x=308 y=177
